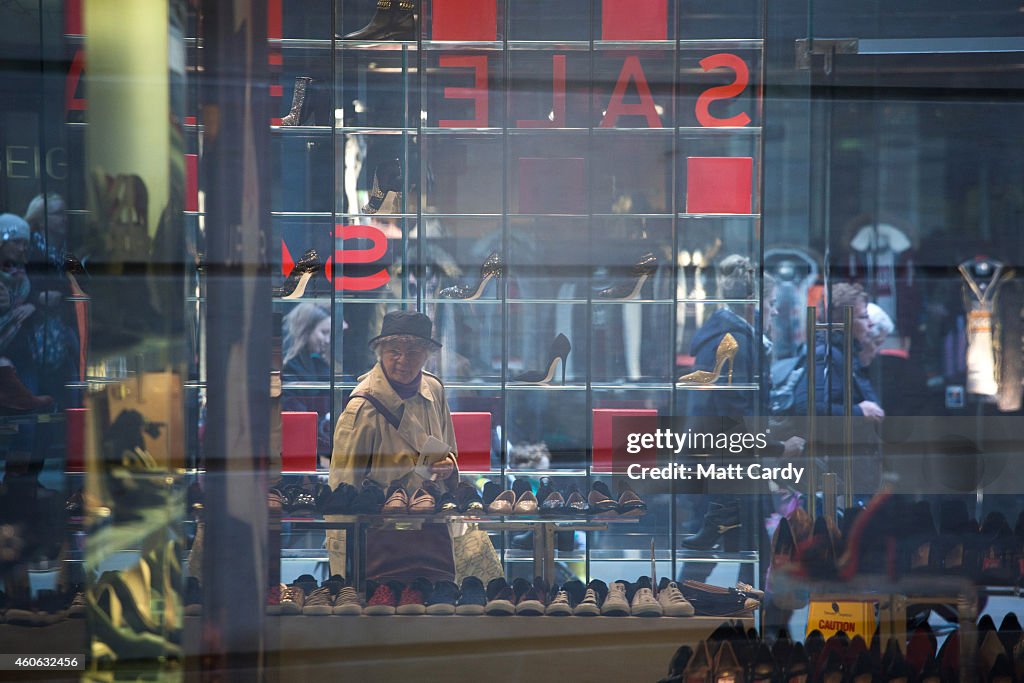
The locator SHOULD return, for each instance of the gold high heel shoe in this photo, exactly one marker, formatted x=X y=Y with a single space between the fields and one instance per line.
x=726 y=351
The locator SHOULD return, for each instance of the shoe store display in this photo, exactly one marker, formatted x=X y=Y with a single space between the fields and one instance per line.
x=615 y=603
x=472 y=598
x=671 y=599
x=493 y=268
x=593 y=599
x=443 y=598
x=644 y=603
x=292 y=599
x=383 y=598
x=531 y=599
x=413 y=598
x=501 y=598
x=720 y=519
x=347 y=602
x=393 y=20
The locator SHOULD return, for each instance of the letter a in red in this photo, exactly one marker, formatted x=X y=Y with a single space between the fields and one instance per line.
x=631 y=70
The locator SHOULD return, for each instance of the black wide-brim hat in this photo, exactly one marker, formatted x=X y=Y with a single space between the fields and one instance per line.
x=410 y=323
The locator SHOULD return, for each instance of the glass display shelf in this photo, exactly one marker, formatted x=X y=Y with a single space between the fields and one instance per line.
x=719 y=216
x=741 y=557
x=301 y=131
x=302 y=214
x=722 y=44
x=487 y=45
x=718 y=387
x=374 y=45
x=629 y=555
x=689 y=131
x=436 y=131
x=658 y=385
x=560 y=556
x=495 y=521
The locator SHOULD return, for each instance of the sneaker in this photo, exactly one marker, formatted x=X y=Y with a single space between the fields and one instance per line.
x=292 y=599
x=274 y=594
x=501 y=599
x=531 y=600
x=319 y=603
x=644 y=604
x=76 y=610
x=615 y=603
x=561 y=604
x=347 y=602
x=193 y=597
x=383 y=599
x=443 y=598
x=473 y=598
x=593 y=598
x=413 y=596
x=672 y=602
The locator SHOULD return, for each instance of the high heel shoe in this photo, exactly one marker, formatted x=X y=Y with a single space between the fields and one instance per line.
x=305 y=268
x=387 y=178
x=642 y=269
x=560 y=348
x=306 y=108
x=726 y=351
x=393 y=20
x=492 y=268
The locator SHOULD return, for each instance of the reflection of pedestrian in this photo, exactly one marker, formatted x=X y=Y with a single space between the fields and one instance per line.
x=369 y=444
x=307 y=352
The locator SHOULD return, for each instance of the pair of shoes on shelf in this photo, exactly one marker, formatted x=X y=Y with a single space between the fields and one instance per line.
x=393 y=20
x=601 y=502
x=519 y=500
x=423 y=501
x=555 y=503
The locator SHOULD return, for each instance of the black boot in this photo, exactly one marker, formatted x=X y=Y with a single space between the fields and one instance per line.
x=393 y=20
x=719 y=520
x=387 y=178
x=307 y=105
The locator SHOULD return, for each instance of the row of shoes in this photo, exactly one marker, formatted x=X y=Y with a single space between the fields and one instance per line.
x=501 y=598
x=895 y=536
x=430 y=498
x=48 y=607
x=732 y=653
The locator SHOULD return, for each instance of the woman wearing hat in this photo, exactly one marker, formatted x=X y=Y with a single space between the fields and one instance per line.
x=396 y=414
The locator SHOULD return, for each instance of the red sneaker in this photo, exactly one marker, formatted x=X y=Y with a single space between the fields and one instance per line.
x=383 y=600
x=413 y=598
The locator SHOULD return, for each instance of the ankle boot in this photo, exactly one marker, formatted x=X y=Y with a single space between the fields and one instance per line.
x=387 y=178
x=720 y=519
x=393 y=20
x=15 y=396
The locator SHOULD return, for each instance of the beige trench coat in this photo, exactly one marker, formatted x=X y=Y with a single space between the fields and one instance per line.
x=366 y=445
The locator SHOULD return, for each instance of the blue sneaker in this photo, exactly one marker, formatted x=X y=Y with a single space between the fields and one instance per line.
x=442 y=598
x=473 y=598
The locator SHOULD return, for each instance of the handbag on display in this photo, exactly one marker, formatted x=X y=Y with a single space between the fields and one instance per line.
x=475 y=555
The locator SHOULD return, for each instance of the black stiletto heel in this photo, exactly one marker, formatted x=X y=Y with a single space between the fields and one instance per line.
x=642 y=269
x=560 y=348
x=492 y=268
x=387 y=178
x=295 y=285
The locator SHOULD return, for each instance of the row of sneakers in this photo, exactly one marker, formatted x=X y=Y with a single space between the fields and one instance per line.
x=499 y=598
x=48 y=607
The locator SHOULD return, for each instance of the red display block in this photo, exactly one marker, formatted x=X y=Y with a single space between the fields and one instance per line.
x=192 y=181
x=605 y=441
x=719 y=184
x=298 y=442
x=634 y=20
x=473 y=437
x=464 y=20
x=75 y=426
x=552 y=185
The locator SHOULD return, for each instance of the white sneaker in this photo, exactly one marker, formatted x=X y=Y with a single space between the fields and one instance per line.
x=672 y=602
x=559 y=606
x=347 y=603
x=644 y=604
x=590 y=606
x=616 y=605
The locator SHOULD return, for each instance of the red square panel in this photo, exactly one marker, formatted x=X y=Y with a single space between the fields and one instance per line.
x=76 y=439
x=473 y=437
x=719 y=184
x=604 y=444
x=298 y=442
x=464 y=20
x=552 y=185
x=634 y=20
